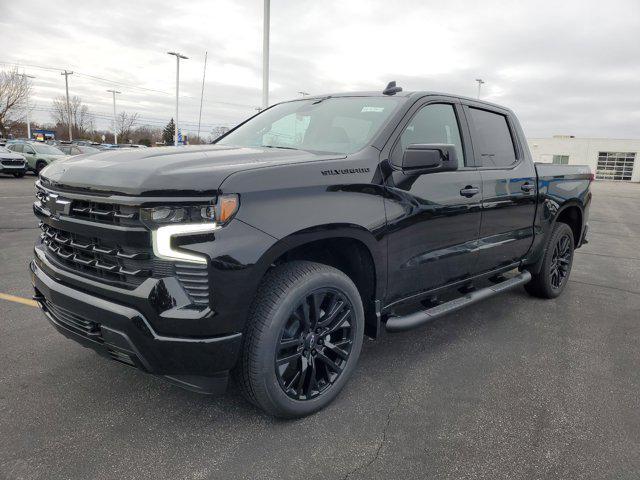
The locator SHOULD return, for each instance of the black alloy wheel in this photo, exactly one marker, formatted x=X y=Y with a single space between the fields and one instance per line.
x=315 y=344
x=302 y=339
x=560 y=262
x=551 y=278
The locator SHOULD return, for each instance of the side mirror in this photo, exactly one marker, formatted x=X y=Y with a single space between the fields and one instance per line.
x=429 y=157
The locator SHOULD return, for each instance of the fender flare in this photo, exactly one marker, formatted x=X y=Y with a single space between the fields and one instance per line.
x=547 y=227
x=375 y=247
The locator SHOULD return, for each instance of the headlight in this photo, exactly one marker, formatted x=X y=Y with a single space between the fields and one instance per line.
x=168 y=222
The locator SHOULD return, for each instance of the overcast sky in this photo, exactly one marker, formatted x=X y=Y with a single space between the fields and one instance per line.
x=565 y=67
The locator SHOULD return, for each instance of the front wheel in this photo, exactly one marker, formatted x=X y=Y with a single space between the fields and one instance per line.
x=556 y=264
x=303 y=339
x=39 y=166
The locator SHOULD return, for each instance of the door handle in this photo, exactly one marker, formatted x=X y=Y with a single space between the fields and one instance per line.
x=527 y=187
x=469 y=191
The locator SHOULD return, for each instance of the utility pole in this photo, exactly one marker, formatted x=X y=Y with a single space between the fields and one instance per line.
x=480 y=82
x=178 y=57
x=265 y=54
x=66 y=84
x=204 y=72
x=115 y=125
x=24 y=75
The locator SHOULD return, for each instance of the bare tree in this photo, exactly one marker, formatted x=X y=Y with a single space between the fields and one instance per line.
x=218 y=131
x=14 y=92
x=81 y=118
x=124 y=125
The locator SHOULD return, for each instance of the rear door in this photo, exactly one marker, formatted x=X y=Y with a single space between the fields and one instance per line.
x=508 y=186
x=433 y=218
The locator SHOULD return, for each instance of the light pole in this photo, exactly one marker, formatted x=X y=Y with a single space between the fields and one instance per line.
x=178 y=57
x=480 y=82
x=115 y=124
x=66 y=84
x=265 y=54
x=24 y=75
x=204 y=72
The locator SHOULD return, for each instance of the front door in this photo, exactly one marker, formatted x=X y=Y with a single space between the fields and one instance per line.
x=433 y=218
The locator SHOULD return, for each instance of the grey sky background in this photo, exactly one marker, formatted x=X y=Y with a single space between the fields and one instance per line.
x=565 y=67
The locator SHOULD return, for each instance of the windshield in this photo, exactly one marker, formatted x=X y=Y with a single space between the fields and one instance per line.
x=46 y=149
x=334 y=125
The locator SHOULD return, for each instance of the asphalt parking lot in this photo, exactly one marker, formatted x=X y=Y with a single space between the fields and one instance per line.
x=514 y=387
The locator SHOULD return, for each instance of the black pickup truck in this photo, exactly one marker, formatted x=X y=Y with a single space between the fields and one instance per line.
x=271 y=253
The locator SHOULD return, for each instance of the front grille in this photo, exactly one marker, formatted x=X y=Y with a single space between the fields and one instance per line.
x=74 y=322
x=118 y=251
x=96 y=258
x=105 y=212
x=9 y=162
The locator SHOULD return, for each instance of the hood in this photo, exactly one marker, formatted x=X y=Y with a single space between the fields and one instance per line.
x=187 y=170
x=11 y=156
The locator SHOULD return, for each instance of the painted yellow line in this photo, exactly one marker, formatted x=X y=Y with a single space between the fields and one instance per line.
x=22 y=300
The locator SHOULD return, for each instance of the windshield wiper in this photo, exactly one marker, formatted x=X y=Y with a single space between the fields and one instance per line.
x=276 y=146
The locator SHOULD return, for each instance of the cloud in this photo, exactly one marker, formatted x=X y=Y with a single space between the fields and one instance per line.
x=565 y=67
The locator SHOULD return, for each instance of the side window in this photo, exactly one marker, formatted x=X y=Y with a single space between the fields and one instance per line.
x=492 y=138
x=29 y=149
x=16 y=147
x=435 y=123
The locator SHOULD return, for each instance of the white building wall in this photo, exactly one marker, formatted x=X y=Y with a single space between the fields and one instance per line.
x=583 y=151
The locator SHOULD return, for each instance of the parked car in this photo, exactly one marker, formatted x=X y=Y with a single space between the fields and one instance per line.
x=71 y=149
x=273 y=252
x=12 y=163
x=38 y=154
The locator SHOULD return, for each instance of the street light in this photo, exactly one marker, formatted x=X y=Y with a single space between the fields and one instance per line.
x=115 y=125
x=24 y=75
x=178 y=57
x=480 y=82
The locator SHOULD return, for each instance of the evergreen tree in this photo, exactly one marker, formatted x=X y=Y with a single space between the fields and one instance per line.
x=167 y=133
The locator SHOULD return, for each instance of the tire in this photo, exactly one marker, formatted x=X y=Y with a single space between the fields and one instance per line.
x=281 y=357
x=39 y=166
x=19 y=174
x=552 y=279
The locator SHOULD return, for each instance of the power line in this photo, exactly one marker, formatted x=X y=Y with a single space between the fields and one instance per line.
x=119 y=83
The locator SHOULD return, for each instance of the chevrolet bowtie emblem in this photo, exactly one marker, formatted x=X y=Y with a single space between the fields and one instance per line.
x=57 y=205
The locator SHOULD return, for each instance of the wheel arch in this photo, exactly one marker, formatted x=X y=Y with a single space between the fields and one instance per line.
x=572 y=213
x=350 y=248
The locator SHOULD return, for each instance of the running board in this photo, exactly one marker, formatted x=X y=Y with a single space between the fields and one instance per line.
x=413 y=320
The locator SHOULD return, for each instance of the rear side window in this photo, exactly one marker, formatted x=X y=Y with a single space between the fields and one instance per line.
x=16 y=147
x=492 y=138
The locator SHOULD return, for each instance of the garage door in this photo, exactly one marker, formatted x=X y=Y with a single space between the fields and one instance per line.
x=615 y=165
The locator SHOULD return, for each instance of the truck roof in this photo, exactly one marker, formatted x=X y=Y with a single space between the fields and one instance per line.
x=405 y=94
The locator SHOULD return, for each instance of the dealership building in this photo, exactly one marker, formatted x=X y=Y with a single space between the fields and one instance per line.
x=610 y=159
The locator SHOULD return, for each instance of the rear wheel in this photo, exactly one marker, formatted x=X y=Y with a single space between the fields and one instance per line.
x=556 y=264
x=303 y=339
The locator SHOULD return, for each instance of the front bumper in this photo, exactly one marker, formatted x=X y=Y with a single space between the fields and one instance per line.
x=124 y=334
x=9 y=169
